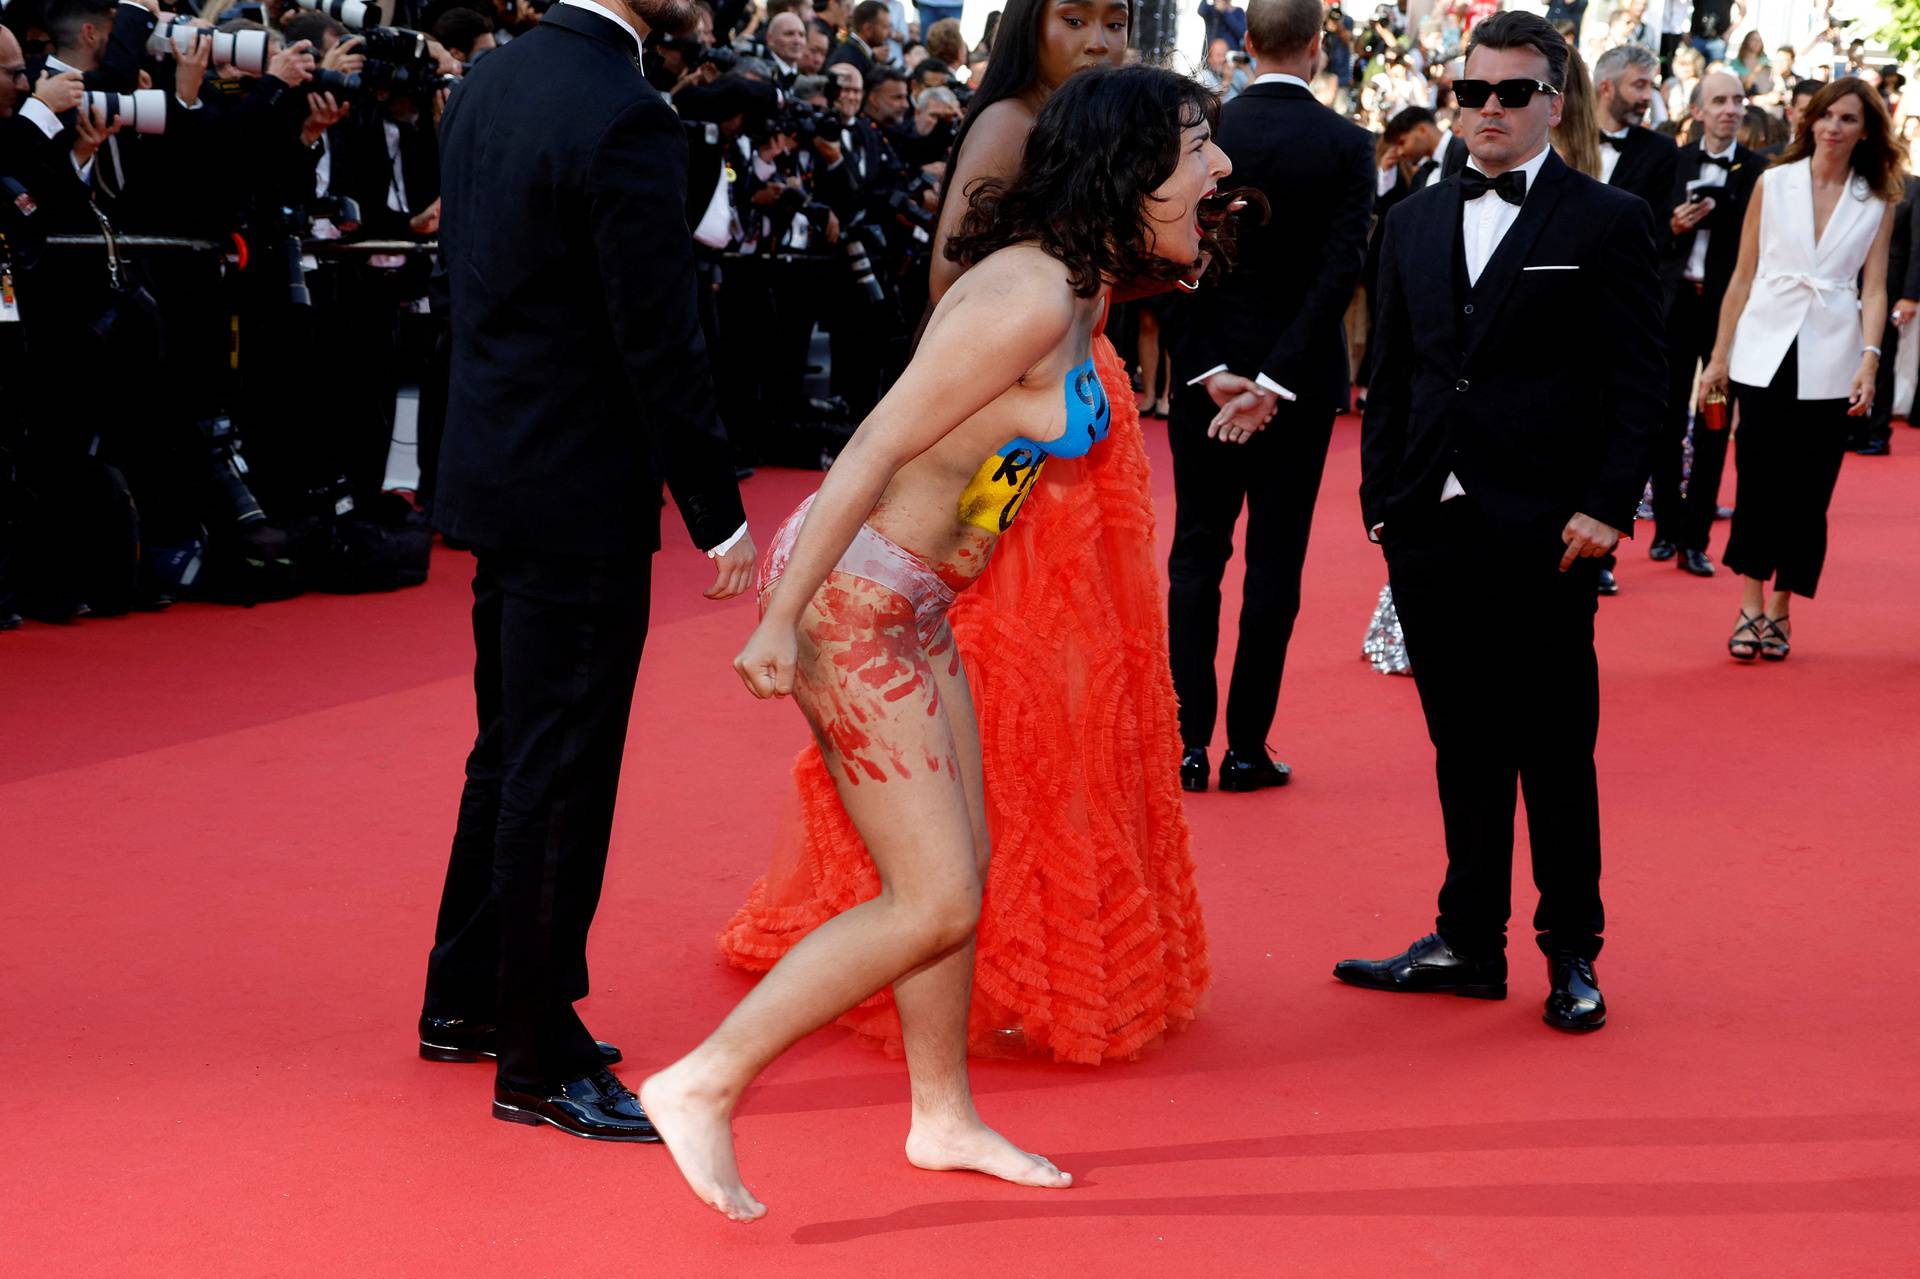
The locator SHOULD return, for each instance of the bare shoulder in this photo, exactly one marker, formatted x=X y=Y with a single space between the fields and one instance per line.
x=996 y=140
x=1021 y=286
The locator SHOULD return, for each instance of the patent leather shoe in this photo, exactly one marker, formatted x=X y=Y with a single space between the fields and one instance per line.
x=1662 y=550
x=1696 y=563
x=1429 y=966
x=1874 y=448
x=1239 y=773
x=1575 y=1002
x=598 y=1107
x=457 y=1039
x=1607 y=584
x=1194 y=769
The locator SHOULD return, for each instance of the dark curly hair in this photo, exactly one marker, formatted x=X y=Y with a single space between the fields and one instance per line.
x=1105 y=141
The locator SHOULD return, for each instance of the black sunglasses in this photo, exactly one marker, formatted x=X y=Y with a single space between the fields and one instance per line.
x=1513 y=94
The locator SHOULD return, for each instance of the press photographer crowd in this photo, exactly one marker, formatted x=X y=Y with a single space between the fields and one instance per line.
x=218 y=240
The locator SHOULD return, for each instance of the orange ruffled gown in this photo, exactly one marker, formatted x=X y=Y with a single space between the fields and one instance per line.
x=1091 y=942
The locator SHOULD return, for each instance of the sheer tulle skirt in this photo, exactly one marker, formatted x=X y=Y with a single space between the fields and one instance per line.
x=1091 y=945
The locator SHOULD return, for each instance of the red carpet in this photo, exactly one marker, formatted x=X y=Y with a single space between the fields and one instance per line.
x=225 y=832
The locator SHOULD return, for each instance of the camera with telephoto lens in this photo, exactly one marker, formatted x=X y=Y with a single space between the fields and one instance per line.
x=144 y=110
x=247 y=50
x=803 y=122
x=282 y=233
x=694 y=54
x=351 y=14
x=910 y=212
x=398 y=63
x=230 y=471
x=860 y=266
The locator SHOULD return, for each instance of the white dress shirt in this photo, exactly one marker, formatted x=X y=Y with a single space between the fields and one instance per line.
x=717 y=551
x=609 y=15
x=1610 y=155
x=1266 y=383
x=1711 y=175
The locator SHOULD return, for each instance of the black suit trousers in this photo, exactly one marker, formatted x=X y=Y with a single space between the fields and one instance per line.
x=557 y=643
x=1501 y=644
x=1879 y=422
x=1686 y=519
x=1276 y=477
x=1790 y=453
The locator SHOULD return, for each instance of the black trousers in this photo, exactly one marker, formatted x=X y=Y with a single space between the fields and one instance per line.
x=556 y=648
x=1276 y=476
x=1687 y=520
x=1501 y=643
x=1788 y=462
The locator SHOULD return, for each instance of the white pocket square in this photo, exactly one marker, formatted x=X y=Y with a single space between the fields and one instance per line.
x=1549 y=268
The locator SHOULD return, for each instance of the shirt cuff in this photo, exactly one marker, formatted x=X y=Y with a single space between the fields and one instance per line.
x=191 y=106
x=42 y=116
x=729 y=544
x=83 y=171
x=1268 y=384
x=1373 y=534
x=1196 y=381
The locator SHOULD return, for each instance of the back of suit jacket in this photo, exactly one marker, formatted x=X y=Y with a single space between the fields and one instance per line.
x=1471 y=379
x=1279 y=310
x=580 y=378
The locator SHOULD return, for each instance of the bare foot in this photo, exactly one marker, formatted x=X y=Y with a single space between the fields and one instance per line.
x=974 y=1147
x=697 y=1125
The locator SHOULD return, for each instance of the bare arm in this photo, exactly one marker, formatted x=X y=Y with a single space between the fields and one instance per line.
x=1873 y=316
x=1738 y=288
x=990 y=336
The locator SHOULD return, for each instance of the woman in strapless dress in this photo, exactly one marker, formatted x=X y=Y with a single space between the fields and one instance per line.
x=1092 y=944
x=858 y=583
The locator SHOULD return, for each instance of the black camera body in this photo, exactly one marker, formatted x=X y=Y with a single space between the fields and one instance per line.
x=803 y=122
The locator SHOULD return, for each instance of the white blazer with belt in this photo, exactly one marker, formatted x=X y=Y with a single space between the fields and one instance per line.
x=1803 y=290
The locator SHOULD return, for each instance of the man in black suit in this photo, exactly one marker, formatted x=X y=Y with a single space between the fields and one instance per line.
x=1269 y=336
x=1632 y=157
x=579 y=383
x=1903 y=282
x=1494 y=491
x=872 y=27
x=1712 y=187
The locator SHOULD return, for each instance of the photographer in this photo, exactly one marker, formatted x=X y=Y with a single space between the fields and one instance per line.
x=465 y=34
x=384 y=156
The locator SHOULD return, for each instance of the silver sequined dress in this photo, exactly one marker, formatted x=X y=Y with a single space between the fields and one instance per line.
x=1384 y=645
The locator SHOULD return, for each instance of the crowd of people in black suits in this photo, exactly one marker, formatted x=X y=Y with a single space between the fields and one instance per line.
x=220 y=234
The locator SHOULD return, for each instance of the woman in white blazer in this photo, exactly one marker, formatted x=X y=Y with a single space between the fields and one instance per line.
x=1800 y=345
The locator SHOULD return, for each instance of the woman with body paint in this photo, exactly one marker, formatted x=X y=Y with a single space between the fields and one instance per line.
x=1115 y=183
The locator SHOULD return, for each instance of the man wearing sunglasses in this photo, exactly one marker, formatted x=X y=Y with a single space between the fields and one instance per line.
x=1497 y=466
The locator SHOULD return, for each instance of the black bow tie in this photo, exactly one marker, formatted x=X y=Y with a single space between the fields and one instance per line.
x=1618 y=144
x=1724 y=161
x=1510 y=186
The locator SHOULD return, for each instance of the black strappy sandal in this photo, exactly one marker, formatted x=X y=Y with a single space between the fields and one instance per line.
x=1774 y=643
x=1749 y=624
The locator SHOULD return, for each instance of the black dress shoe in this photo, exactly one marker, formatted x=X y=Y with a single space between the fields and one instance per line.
x=1575 y=1003
x=1607 y=583
x=1238 y=774
x=1429 y=966
x=457 y=1039
x=598 y=1107
x=1194 y=769
x=1696 y=563
x=1662 y=550
x=1875 y=448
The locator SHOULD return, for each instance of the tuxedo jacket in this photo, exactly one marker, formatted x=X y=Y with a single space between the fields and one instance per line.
x=1646 y=168
x=580 y=378
x=1903 y=255
x=1453 y=157
x=1473 y=380
x=1730 y=204
x=1278 y=311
